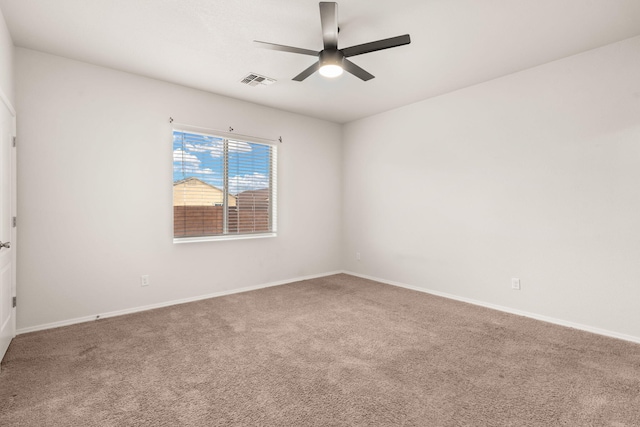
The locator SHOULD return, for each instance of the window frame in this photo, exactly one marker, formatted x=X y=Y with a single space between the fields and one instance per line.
x=272 y=189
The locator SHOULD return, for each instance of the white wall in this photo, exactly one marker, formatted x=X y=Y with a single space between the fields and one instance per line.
x=6 y=61
x=535 y=175
x=94 y=189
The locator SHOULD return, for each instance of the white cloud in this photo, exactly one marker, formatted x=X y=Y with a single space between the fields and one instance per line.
x=185 y=157
x=186 y=163
x=254 y=181
x=215 y=148
x=195 y=148
x=193 y=143
x=239 y=147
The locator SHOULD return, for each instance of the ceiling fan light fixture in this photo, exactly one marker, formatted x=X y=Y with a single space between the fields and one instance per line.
x=331 y=63
x=331 y=70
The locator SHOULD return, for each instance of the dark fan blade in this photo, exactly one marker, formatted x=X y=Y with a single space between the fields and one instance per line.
x=284 y=48
x=356 y=71
x=306 y=73
x=329 y=21
x=377 y=45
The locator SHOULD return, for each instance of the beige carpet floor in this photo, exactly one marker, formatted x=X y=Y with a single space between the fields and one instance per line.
x=334 y=351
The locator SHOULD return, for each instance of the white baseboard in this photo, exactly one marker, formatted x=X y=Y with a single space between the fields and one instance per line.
x=165 y=304
x=543 y=318
x=505 y=309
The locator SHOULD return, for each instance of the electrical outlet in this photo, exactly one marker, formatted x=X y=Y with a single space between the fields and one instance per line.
x=515 y=284
x=144 y=280
x=358 y=258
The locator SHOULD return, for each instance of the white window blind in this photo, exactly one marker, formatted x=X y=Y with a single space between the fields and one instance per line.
x=222 y=187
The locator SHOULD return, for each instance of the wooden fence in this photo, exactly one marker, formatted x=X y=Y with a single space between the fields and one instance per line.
x=191 y=221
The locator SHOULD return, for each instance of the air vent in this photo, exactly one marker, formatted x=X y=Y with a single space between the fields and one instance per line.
x=254 y=79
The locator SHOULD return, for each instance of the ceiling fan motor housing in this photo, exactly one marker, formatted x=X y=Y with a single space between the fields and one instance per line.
x=331 y=57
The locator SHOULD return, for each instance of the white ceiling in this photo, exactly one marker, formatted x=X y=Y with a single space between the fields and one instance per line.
x=207 y=44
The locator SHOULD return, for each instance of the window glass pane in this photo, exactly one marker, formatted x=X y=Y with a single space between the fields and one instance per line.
x=222 y=186
x=250 y=182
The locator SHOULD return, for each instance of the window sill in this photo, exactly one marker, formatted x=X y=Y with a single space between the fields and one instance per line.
x=178 y=240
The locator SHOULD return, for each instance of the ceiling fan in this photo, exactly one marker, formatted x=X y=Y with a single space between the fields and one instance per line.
x=331 y=60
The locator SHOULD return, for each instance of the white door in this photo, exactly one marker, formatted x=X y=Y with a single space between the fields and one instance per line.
x=7 y=229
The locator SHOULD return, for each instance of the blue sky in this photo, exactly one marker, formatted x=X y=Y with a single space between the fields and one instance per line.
x=201 y=156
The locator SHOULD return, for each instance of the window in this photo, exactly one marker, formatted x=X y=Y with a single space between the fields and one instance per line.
x=222 y=187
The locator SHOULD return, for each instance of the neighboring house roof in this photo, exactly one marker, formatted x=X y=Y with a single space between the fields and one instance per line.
x=192 y=179
x=195 y=192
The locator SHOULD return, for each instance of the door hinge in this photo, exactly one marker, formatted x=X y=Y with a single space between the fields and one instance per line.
x=14 y=221
x=15 y=299
x=14 y=141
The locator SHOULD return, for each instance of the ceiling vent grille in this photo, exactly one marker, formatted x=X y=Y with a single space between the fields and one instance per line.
x=254 y=79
